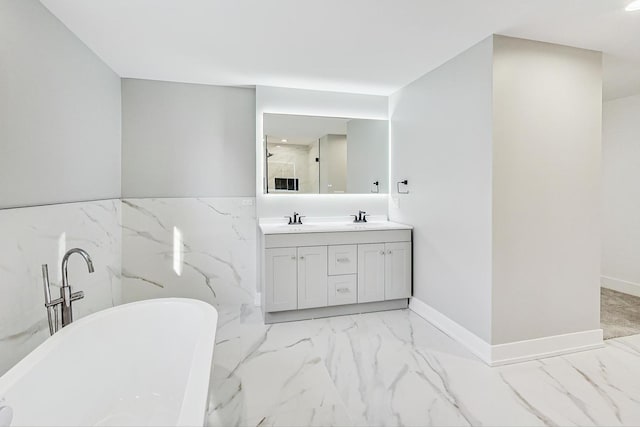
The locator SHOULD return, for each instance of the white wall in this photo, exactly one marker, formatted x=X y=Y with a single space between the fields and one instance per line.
x=59 y=113
x=314 y=103
x=547 y=109
x=621 y=194
x=367 y=155
x=201 y=140
x=441 y=142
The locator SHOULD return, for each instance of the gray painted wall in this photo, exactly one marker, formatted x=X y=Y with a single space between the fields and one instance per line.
x=501 y=147
x=441 y=135
x=59 y=113
x=187 y=140
x=547 y=109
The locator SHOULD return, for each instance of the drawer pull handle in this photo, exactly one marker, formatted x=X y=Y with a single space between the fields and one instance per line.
x=343 y=260
x=342 y=290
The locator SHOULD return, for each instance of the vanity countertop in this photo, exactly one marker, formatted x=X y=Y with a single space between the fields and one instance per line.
x=330 y=227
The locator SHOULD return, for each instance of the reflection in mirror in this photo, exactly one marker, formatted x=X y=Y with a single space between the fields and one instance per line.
x=325 y=155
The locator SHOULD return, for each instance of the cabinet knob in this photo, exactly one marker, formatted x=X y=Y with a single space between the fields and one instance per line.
x=293 y=257
x=301 y=257
x=381 y=252
x=389 y=251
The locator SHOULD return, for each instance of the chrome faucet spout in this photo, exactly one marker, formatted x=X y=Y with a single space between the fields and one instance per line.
x=65 y=263
x=65 y=291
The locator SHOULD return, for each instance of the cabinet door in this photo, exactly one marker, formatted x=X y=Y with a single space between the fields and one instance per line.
x=397 y=283
x=371 y=272
x=281 y=282
x=312 y=277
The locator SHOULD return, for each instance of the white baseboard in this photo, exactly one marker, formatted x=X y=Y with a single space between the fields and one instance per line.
x=620 y=285
x=514 y=352
x=471 y=341
x=539 y=348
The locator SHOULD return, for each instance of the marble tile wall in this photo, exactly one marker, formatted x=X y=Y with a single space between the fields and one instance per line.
x=203 y=248
x=142 y=248
x=33 y=236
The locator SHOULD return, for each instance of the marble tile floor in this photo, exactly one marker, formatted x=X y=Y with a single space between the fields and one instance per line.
x=393 y=368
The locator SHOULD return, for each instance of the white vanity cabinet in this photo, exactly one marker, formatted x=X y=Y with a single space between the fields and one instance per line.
x=397 y=270
x=296 y=278
x=384 y=271
x=307 y=272
x=343 y=290
x=343 y=259
x=312 y=277
x=371 y=272
x=281 y=271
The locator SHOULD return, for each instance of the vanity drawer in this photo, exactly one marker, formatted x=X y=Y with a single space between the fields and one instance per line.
x=343 y=289
x=343 y=259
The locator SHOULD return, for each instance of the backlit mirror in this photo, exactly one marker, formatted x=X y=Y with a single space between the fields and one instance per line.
x=325 y=155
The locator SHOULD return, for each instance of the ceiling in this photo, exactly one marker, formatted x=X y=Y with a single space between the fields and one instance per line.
x=361 y=46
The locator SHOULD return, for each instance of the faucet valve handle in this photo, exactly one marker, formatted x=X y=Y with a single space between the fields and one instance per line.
x=77 y=295
x=290 y=221
x=300 y=219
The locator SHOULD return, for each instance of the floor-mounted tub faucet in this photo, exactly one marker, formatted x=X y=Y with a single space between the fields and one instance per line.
x=66 y=296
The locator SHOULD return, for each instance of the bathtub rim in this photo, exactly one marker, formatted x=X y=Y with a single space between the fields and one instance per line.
x=195 y=399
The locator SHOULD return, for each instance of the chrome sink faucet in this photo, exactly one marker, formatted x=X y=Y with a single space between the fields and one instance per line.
x=296 y=219
x=66 y=296
x=361 y=217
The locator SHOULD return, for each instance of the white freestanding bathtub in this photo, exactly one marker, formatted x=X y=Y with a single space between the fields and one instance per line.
x=145 y=364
